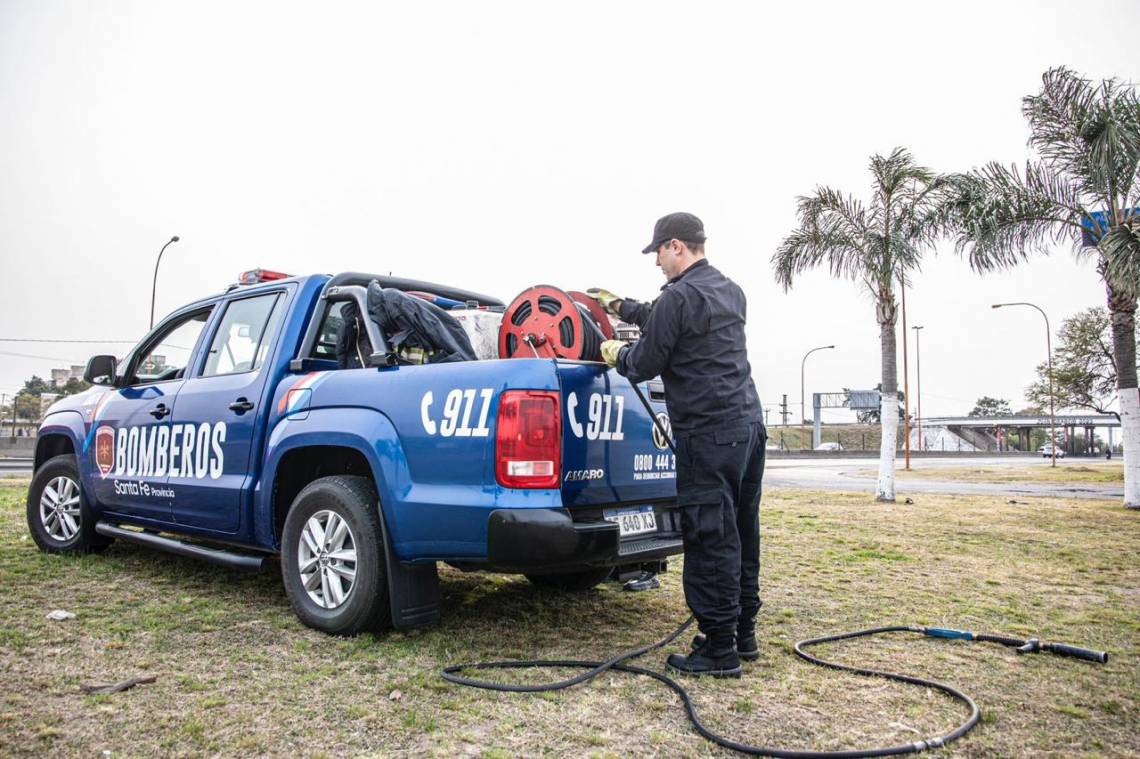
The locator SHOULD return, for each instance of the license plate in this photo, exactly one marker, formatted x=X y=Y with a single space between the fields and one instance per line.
x=632 y=521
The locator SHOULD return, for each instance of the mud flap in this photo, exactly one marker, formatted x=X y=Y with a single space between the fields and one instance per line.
x=413 y=589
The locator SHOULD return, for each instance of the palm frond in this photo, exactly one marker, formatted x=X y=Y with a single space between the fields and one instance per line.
x=922 y=214
x=1120 y=248
x=1002 y=216
x=845 y=213
x=804 y=250
x=832 y=232
x=1061 y=118
x=894 y=172
x=1089 y=133
x=873 y=243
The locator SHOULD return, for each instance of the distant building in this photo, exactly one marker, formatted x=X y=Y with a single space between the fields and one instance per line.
x=60 y=377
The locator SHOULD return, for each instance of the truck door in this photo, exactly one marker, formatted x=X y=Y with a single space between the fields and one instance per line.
x=130 y=448
x=219 y=410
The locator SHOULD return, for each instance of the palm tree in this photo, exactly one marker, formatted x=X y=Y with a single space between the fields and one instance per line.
x=877 y=245
x=1084 y=190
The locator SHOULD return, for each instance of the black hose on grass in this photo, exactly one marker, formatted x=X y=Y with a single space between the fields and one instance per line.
x=617 y=663
x=593 y=669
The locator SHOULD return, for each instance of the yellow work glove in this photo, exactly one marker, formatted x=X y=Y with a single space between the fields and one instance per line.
x=607 y=299
x=610 y=351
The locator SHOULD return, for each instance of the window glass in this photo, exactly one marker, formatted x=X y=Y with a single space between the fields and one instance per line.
x=325 y=347
x=270 y=333
x=167 y=359
x=243 y=338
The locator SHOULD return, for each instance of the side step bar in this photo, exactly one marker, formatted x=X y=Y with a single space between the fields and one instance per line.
x=217 y=556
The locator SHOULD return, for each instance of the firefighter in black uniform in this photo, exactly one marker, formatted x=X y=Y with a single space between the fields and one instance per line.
x=692 y=335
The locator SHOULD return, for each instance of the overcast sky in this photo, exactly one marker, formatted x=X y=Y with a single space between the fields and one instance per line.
x=493 y=146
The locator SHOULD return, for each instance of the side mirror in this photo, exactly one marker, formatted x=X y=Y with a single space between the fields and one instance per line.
x=100 y=370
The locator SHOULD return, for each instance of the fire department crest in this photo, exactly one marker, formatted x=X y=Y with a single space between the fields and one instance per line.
x=105 y=449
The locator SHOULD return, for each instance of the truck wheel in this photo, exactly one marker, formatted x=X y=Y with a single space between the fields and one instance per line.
x=58 y=515
x=332 y=557
x=583 y=579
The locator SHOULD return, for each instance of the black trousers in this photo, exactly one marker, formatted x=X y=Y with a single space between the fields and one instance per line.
x=719 y=476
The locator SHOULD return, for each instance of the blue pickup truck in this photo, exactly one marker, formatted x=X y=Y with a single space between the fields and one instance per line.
x=231 y=433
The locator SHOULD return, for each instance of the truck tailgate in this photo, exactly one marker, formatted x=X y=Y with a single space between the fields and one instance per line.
x=610 y=453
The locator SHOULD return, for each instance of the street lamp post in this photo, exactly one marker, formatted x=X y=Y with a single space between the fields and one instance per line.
x=154 y=285
x=906 y=375
x=1049 y=349
x=802 y=413
x=918 y=377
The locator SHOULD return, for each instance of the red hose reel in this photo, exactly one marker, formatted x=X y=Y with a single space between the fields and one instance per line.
x=546 y=322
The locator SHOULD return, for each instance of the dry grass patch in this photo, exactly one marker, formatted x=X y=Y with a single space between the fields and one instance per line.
x=236 y=672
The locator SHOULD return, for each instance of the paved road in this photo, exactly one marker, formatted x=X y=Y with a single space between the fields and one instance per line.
x=849 y=474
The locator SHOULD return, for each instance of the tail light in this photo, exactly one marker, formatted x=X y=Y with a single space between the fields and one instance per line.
x=528 y=439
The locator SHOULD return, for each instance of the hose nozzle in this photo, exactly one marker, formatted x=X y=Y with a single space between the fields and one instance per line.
x=1031 y=646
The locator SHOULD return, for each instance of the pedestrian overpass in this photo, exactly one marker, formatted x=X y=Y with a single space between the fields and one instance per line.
x=969 y=427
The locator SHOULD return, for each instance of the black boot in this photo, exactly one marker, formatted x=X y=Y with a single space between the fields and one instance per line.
x=746 y=646
x=716 y=657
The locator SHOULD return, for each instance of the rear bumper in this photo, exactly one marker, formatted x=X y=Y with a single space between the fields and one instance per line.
x=549 y=539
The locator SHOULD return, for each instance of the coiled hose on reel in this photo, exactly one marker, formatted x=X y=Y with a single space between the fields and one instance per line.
x=546 y=322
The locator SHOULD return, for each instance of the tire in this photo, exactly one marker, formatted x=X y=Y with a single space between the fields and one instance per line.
x=59 y=517
x=347 y=585
x=572 y=582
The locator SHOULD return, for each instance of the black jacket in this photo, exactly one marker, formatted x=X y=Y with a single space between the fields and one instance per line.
x=410 y=322
x=693 y=337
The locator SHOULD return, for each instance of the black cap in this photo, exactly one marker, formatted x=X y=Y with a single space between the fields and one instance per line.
x=676 y=226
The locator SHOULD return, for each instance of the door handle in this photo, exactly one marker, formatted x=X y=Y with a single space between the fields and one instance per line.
x=160 y=411
x=240 y=406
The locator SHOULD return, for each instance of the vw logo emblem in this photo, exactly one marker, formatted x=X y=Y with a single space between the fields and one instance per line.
x=660 y=442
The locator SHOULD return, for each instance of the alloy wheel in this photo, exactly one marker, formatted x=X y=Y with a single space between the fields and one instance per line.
x=59 y=509
x=326 y=558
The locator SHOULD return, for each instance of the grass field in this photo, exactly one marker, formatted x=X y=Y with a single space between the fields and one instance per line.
x=1107 y=473
x=236 y=672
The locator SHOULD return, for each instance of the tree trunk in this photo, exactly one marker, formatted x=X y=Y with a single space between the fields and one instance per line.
x=889 y=407
x=1123 y=309
x=888 y=401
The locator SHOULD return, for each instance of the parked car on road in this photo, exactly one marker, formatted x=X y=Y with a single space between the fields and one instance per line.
x=1046 y=451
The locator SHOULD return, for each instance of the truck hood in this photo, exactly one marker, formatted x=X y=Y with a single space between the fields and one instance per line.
x=84 y=402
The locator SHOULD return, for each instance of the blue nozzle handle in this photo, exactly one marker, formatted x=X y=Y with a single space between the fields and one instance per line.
x=942 y=632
